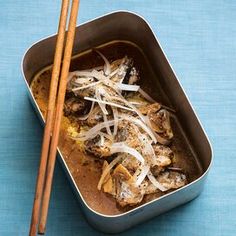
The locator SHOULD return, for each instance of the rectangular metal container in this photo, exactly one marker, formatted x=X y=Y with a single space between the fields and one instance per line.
x=124 y=25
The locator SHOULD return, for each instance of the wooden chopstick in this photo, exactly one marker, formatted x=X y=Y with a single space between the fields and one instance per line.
x=58 y=115
x=49 y=117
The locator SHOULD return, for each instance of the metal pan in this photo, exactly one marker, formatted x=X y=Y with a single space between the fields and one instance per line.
x=123 y=25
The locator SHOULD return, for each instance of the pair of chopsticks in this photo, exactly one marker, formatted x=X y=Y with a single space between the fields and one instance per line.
x=54 y=116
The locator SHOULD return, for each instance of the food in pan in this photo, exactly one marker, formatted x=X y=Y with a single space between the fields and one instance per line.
x=122 y=125
x=126 y=134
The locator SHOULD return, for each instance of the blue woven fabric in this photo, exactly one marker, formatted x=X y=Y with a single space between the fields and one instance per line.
x=199 y=40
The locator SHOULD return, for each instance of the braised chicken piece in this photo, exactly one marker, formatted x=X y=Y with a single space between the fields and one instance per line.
x=95 y=117
x=98 y=146
x=172 y=179
x=121 y=186
x=75 y=106
x=160 y=122
x=128 y=133
x=164 y=155
x=129 y=194
x=151 y=109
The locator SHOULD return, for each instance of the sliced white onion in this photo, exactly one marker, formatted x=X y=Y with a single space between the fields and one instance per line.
x=116 y=121
x=86 y=86
x=94 y=68
x=93 y=132
x=127 y=103
x=107 y=170
x=157 y=136
x=148 y=148
x=135 y=103
x=85 y=117
x=146 y=96
x=94 y=74
x=102 y=139
x=140 y=124
x=141 y=174
x=128 y=87
x=113 y=73
x=108 y=103
x=122 y=147
x=175 y=168
x=155 y=182
x=107 y=66
x=70 y=76
x=107 y=126
x=100 y=102
x=106 y=136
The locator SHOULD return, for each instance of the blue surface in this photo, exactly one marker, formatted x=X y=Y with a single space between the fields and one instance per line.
x=199 y=40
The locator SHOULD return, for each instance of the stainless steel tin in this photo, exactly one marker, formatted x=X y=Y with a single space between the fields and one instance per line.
x=123 y=25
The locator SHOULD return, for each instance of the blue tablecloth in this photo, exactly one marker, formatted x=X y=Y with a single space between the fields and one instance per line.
x=199 y=40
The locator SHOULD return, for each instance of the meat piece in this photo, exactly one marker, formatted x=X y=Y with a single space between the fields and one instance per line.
x=130 y=162
x=128 y=133
x=169 y=180
x=98 y=146
x=126 y=72
x=150 y=188
x=156 y=170
x=164 y=155
x=151 y=108
x=160 y=123
x=172 y=179
x=95 y=117
x=76 y=106
x=129 y=194
x=121 y=186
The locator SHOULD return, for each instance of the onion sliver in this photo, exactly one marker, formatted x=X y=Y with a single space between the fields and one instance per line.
x=85 y=117
x=100 y=103
x=94 y=73
x=148 y=148
x=113 y=73
x=175 y=168
x=161 y=140
x=107 y=66
x=106 y=136
x=127 y=103
x=102 y=139
x=145 y=95
x=116 y=121
x=93 y=132
x=122 y=147
x=106 y=171
x=141 y=175
x=155 y=182
x=108 y=103
x=86 y=86
x=128 y=87
x=107 y=126
x=140 y=124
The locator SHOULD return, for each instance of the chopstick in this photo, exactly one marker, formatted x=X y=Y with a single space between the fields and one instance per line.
x=47 y=163
x=49 y=117
x=58 y=115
